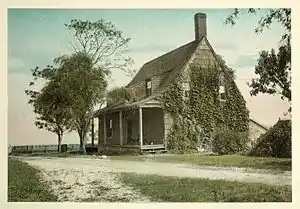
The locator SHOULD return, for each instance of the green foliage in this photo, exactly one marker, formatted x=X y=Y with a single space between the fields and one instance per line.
x=273 y=69
x=102 y=41
x=85 y=85
x=24 y=184
x=196 y=118
x=50 y=104
x=276 y=142
x=119 y=95
x=174 y=189
x=274 y=72
x=227 y=141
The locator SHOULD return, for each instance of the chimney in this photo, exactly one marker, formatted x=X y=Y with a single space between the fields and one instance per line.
x=200 y=26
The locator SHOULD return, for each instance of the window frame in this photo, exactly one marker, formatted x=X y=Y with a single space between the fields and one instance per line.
x=186 y=89
x=148 y=90
x=109 y=127
x=222 y=93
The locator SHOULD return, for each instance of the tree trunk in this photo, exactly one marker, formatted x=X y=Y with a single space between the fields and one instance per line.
x=82 y=143
x=59 y=142
x=83 y=148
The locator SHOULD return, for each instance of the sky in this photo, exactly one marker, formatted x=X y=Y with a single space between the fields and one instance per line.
x=37 y=36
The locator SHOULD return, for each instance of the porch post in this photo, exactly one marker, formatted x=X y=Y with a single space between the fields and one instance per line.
x=93 y=136
x=104 y=128
x=99 y=128
x=141 y=126
x=121 y=128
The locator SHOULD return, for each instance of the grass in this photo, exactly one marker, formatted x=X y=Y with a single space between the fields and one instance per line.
x=24 y=184
x=280 y=164
x=173 y=189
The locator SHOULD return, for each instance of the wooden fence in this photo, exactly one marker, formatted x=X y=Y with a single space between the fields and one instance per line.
x=41 y=148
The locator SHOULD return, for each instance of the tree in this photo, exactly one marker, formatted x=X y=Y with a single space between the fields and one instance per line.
x=103 y=42
x=85 y=87
x=119 y=95
x=273 y=68
x=50 y=104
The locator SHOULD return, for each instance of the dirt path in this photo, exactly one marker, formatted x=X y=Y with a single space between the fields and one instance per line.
x=77 y=179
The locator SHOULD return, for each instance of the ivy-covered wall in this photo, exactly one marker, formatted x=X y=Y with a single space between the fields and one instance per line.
x=198 y=115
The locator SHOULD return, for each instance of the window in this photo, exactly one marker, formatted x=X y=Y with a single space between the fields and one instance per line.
x=109 y=129
x=186 y=89
x=148 y=87
x=222 y=94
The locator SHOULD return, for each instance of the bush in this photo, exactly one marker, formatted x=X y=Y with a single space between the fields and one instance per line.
x=276 y=142
x=227 y=141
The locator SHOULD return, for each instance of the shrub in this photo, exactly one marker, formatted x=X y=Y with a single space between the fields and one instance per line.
x=276 y=142
x=227 y=141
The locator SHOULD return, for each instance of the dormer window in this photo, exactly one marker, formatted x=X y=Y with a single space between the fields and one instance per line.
x=186 y=89
x=148 y=87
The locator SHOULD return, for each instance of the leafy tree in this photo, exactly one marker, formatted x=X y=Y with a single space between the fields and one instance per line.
x=85 y=85
x=50 y=104
x=103 y=42
x=120 y=94
x=273 y=68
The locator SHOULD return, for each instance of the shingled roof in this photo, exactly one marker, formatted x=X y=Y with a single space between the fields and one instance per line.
x=171 y=61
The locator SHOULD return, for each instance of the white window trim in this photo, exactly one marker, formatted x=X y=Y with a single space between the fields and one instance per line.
x=149 y=84
x=110 y=127
x=186 y=89
x=222 y=88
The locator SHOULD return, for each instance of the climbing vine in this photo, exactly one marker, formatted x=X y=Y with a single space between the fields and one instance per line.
x=197 y=118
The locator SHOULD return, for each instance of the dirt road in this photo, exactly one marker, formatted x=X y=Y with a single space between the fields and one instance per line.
x=79 y=176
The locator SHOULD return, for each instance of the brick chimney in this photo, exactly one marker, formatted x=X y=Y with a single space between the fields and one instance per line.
x=200 y=26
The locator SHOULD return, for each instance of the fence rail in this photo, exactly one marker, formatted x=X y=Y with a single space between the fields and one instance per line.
x=40 y=148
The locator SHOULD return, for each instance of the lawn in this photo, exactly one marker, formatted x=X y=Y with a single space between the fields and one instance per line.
x=24 y=184
x=280 y=164
x=173 y=189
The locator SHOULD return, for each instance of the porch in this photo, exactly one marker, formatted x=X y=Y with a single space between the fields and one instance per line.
x=137 y=127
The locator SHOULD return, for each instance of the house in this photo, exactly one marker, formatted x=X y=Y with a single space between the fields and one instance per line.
x=256 y=129
x=147 y=123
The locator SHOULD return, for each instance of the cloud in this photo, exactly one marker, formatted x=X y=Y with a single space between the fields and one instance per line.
x=226 y=46
x=151 y=48
x=22 y=61
x=15 y=62
x=246 y=60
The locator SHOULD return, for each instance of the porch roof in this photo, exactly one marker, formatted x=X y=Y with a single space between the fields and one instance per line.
x=147 y=102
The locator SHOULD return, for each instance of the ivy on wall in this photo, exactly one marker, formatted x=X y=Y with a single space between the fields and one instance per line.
x=197 y=118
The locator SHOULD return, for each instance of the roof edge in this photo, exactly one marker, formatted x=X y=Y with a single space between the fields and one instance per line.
x=165 y=54
x=259 y=124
